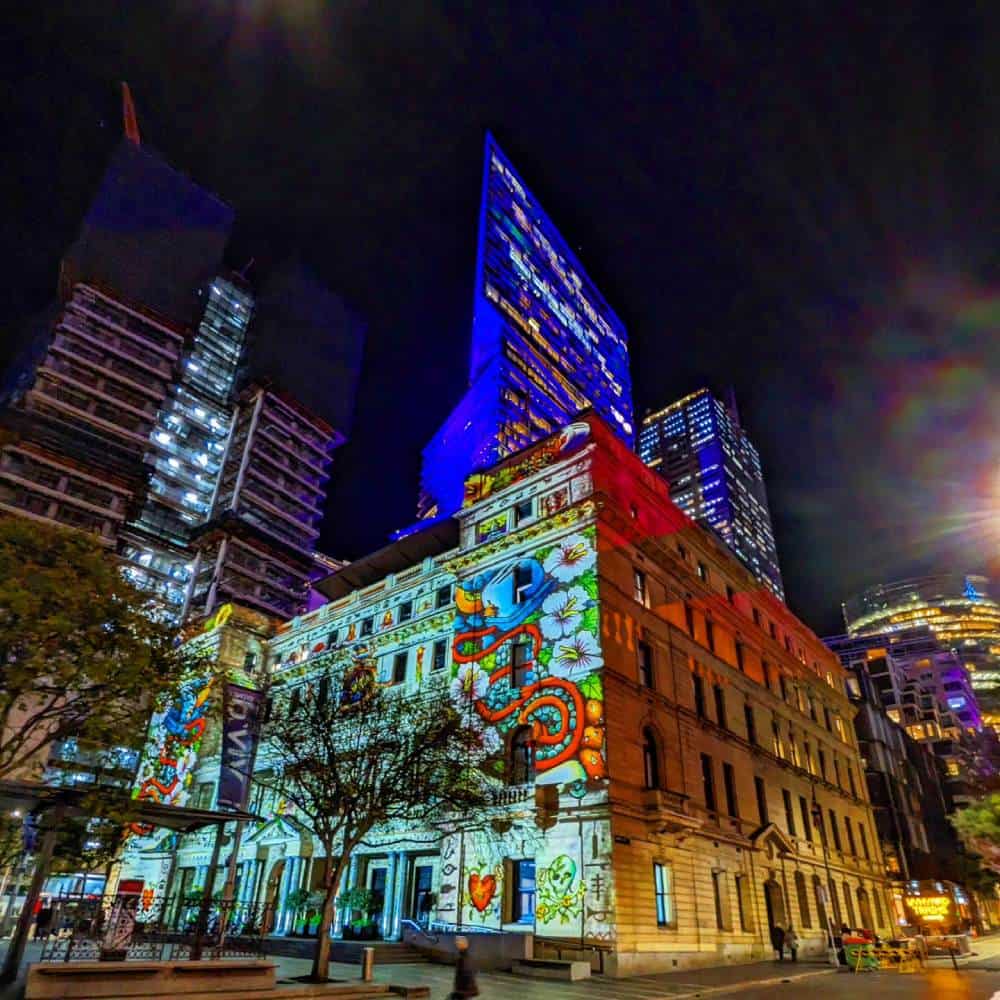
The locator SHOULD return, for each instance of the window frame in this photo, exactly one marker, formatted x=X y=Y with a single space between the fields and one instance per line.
x=663 y=894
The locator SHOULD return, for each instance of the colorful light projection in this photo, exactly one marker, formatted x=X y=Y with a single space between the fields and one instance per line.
x=176 y=735
x=527 y=654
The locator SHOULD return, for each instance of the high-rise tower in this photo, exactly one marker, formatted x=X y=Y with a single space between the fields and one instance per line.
x=545 y=343
x=715 y=477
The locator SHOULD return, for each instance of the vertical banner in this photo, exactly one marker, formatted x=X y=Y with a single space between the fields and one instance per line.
x=241 y=707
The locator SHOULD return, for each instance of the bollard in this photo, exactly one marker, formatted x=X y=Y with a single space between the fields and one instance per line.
x=367 y=964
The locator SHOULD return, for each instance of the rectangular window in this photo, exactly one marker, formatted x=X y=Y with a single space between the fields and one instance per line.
x=440 y=654
x=804 y=813
x=663 y=890
x=399 y=668
x=523 y=879
x=689 y=619
x=720 y=705
x=849 y=830
x=835 y=830
x=681 y=551
x=708 y=782
x=743 y=903
x=836 y=771
x=333 y=638
x=740 y=658
x=766 y=670
x=761 y=790
x=826 y=719
x=524 y=511
x=368 y=626
x=850 y=781
x=520 y=660
x=443 y=597
x=777 y=744
x=645 y=664
x=702 y=571
x=729 y=782
x=822 y=763
x=772 y=630
x=522 y=583
x=864 y=842
x=789 y=812
x=782 y=684
x=639 y=587
x=756 y=617
x=406 y=611
x=751 y=723
x=699 y=695
x=730 y=594
x=721 y=897
x=710 y=634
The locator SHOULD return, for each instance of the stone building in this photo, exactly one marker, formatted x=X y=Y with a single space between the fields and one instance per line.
x=681 y=761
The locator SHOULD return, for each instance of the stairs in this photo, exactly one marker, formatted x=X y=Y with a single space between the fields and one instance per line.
x=386 y=952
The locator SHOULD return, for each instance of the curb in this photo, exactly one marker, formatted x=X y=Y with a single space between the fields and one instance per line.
x=750 y=984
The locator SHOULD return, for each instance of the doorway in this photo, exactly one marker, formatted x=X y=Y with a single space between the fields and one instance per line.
x=376 y=883
x=774 y=900
x=420 y=900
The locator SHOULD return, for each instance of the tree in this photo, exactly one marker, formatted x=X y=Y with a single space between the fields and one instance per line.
x=83 y=652
x=356 y=758
x=979 y=827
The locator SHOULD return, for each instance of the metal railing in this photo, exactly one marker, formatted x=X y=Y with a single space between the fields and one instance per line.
x=77 y=927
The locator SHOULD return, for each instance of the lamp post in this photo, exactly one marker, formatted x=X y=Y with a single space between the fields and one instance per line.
x=817 y=816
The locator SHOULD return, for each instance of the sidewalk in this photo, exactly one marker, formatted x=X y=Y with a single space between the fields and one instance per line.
x=502 y=986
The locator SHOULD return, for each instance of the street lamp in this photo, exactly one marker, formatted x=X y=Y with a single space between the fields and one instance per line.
x=824 y=894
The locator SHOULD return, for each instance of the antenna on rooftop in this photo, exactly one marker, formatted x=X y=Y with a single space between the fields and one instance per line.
x=128 y=115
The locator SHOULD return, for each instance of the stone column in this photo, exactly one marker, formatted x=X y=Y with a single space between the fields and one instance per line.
x=390 y=894
x=349 y=882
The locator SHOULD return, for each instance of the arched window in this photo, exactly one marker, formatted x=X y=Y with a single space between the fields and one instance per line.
x=650 y=760
x=805 y=919
x=521 y=757
x=821 y=911
x=849 y=904
x=865 y=909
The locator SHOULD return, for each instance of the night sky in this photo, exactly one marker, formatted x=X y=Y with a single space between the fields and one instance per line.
x=799 y=200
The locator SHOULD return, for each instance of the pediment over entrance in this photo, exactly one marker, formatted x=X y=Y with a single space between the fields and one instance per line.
x=772 y=841
x=283 y=830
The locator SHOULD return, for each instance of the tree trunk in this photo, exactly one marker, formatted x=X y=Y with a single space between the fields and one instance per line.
x=321 y=961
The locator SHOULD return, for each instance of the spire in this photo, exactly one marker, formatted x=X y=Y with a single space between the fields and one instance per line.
x=128 y=114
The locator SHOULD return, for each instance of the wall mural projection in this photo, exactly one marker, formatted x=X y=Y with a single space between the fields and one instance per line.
x=527 y=653
x=176 y=734
x=560 y=892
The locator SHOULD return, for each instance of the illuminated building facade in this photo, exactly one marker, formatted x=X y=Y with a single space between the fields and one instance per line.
x=124 y=413
x=258 y=546
x=958 y=609
x=696 y=775
x=187 y=445
x=698 y=446
x=545 y=343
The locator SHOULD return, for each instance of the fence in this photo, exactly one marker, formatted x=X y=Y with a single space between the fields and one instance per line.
x=80 y=927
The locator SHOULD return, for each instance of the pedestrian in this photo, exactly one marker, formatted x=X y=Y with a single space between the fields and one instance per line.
x=43 y=922
x=465 y=973
x=778 y=941
x=792 y=943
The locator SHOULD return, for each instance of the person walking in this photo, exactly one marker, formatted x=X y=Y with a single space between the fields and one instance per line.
x=778 y=941
x=792 y=943
x=465 y=973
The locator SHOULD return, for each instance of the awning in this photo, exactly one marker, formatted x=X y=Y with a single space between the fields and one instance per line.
x=34 y=796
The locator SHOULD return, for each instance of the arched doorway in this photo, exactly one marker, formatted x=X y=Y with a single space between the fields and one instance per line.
x=774 y=900
x=865 y=909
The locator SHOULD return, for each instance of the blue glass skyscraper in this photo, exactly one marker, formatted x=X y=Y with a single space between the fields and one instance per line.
x=545 y=343
x=715 y=477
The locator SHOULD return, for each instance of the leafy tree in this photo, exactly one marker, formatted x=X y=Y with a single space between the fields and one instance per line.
x=356 y=759
x=83 y=652
x=979 y=827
